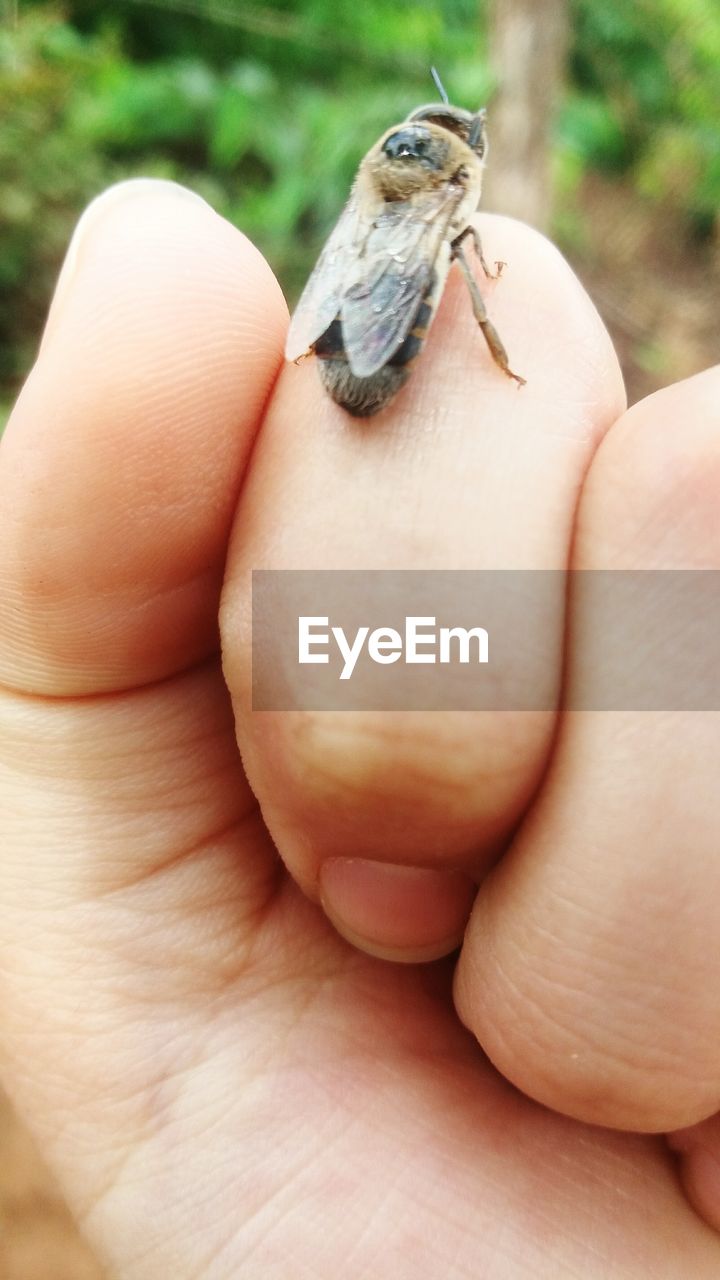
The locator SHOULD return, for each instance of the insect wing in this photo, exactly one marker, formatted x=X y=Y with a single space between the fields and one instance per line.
x=392 y=277
x=321 y=299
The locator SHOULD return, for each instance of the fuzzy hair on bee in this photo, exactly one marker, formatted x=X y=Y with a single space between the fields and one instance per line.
x=368 y=305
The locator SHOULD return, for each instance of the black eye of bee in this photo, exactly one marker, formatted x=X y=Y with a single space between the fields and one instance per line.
x=406 y=144
x=415 y=144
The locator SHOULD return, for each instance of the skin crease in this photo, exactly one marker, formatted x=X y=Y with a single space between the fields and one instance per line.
x=223 y=1084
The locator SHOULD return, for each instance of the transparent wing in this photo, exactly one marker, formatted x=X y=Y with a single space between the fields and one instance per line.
x=391 y=276
x=321 y=299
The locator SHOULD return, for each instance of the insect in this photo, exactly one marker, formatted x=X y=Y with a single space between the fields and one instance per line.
x=369 y=303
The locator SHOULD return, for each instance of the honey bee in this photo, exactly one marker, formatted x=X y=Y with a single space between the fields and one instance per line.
x=369 y=303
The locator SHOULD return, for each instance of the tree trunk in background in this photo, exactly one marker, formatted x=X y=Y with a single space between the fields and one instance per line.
x=528 y=42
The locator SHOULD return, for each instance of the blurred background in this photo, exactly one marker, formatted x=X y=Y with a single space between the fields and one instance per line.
x=604 y=132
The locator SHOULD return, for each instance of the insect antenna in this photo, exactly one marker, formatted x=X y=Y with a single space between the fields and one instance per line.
x=439 y=86
x=478 y=127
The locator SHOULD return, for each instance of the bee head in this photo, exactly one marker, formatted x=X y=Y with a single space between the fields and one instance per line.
x=467 y=125
x=428 y=149
x=415 y=144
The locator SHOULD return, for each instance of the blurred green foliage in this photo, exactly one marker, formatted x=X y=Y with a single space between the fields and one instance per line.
x=266 y=108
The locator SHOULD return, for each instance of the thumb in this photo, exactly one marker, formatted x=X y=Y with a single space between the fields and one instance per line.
x=121 y=463
x=121 y=792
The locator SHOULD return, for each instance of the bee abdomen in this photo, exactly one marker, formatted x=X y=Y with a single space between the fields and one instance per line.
x=413 y=344
x=362 y=397
x=330 y=345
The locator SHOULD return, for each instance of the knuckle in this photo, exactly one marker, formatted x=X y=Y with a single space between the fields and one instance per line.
x=658 y=477
x=447 y=775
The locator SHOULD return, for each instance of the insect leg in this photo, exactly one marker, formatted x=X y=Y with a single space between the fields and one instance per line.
x=492 y=336
x=473 y=231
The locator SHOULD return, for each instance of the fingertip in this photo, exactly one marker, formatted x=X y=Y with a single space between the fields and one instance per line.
x=555 y=336
x=569 y=377
x=148 y=250
x=114 y=199
x=651 y=495
x=124 y=454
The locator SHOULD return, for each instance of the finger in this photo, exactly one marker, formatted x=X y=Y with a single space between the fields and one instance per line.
x=134 y=863
x=463 y=471
x=121 y=463
x=119 y=472
x=591 y=966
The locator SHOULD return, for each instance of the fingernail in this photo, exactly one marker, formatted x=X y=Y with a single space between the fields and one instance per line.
x=95 y=213
x=700 y=1174
x=410 y=914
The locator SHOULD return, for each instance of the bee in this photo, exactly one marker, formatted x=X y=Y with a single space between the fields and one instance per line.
x=367 y=308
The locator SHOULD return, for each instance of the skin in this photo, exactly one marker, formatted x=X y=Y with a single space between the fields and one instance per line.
x=223 y=1083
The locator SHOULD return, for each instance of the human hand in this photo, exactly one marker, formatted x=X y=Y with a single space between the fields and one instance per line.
x=225 y=1086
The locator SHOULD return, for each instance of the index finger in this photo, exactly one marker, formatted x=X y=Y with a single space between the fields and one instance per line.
x=463 y=471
